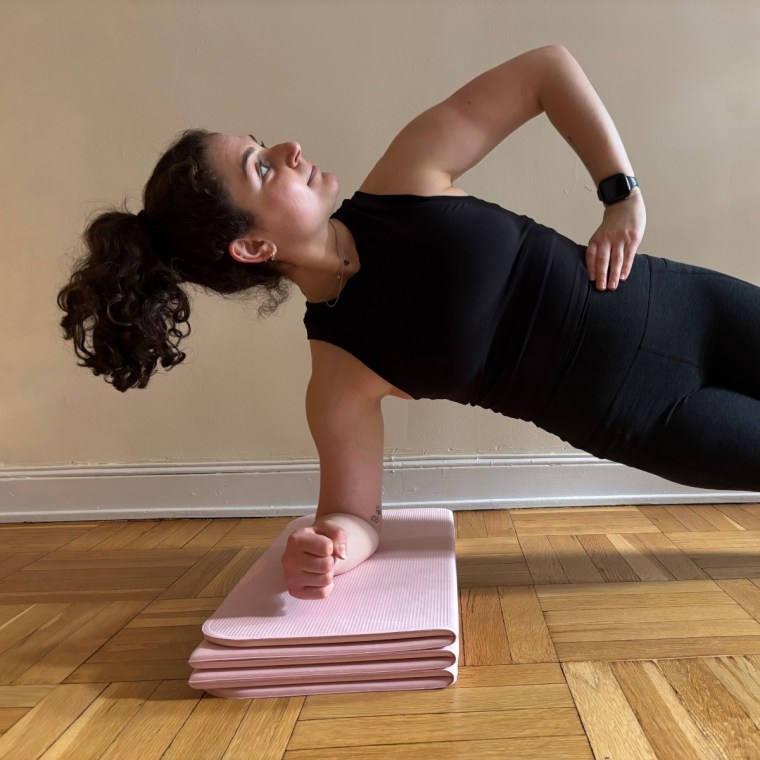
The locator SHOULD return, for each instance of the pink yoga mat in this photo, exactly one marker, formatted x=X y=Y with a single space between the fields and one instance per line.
x=319 y=673
x=349 y=687
x=392 y=623
x=208 y=655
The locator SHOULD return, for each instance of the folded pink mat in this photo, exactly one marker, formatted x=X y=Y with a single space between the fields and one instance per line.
x=392 y=623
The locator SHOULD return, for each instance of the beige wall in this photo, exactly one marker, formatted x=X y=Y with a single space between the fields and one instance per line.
x=92 y=92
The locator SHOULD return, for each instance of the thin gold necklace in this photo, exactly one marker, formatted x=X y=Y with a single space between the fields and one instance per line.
x=339 y=277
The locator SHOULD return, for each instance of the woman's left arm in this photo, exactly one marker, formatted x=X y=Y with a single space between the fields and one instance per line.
x=447 y=140
x=576 y=111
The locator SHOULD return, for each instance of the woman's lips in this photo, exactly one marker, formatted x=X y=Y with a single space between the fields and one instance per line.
x=313 y=173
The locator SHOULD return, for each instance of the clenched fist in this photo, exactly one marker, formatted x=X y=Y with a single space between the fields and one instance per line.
x=314 y=555
x=309 y=559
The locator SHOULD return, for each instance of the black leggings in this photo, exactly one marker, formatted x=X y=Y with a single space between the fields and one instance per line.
x=666 y=377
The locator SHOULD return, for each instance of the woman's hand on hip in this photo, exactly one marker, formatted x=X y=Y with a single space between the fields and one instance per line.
x=612 y=248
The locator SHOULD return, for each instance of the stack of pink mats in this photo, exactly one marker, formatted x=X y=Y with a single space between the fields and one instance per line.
x=390 y=624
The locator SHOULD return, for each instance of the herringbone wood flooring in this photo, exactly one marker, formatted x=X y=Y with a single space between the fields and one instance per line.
x=620 y=632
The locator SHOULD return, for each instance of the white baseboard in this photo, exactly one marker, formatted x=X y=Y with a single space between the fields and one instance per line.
x=292 y=488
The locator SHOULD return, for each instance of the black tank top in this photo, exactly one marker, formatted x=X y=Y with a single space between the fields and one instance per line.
x=459 y=299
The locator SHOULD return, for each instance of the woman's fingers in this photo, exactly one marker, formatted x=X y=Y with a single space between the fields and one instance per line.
x=608 y=263
x=616 y=265
x=630 y=254
x=602 y=263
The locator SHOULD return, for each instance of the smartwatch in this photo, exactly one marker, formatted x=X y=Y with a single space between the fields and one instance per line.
x=615 y=188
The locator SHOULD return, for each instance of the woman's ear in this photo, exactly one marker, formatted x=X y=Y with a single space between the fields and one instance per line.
x=248 y=251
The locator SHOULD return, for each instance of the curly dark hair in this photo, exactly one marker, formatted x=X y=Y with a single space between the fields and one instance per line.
x=125 y=294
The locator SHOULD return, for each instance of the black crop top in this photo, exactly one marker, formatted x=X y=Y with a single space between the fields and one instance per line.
x=459 y=299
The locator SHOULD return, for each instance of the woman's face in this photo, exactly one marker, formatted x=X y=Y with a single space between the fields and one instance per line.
x=290 y=199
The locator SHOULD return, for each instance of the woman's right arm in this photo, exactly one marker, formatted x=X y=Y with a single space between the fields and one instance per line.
x=347 y=427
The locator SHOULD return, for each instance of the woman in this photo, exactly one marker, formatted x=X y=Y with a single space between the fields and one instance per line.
x=417 y=290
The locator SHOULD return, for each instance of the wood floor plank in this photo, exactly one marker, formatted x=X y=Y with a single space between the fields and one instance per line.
x=668 y=725
x=265 y=729
x=711 y=514
x=210 y=536
x=698 y=629
x=690 y=519
x=10 y=562
x=545 y=748
x=484 y=636
x=495 y=561
x=505 y=675
x=747 y=518
x=724 y=543
x=254 y=533
x=39 y=537
x=421 y=729
x=641 y=560
x=741 y=677
x=504 y=549
x=23 y=696
x=45 y=722
x=572 y=557
x=484 y=523
x=527 y=633
x=222 y=583
x=661 y=518
x=75 y=575
x=139 y=670
x=607 y=559
x=129 y=532
x=542 y=560
x=9 y=612
x=622 y=594
x=487 y=572
x=90 y=735
x=96 y=535
x=71 y=651
x=152 y=728
x=610 y=722
x=572 y=521
x=209 y=730
x=200 y=576
x=24 y=623
x=176 y=612
x=185 y=532
x=745 y=593
x=26 y=652
x=441 y=701
x=659 y=614
x=9 y=716
x=650 y=649
x=671 y=557
x=712 y=707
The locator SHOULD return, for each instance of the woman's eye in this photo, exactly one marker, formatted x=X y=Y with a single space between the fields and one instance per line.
x=263 y=165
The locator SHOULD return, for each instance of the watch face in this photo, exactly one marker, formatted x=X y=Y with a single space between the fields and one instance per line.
x=614 y=188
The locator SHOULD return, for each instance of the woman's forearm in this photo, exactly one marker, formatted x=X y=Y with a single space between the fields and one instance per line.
x=578 y=114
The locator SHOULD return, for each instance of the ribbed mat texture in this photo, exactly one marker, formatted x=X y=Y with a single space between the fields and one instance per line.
x=392 y=623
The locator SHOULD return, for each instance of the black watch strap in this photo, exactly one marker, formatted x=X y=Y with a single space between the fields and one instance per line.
x=616 y=188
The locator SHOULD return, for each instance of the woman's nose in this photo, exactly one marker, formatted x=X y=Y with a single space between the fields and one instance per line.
x=294 y=152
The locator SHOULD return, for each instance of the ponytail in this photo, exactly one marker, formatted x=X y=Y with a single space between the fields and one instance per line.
x=126 y=299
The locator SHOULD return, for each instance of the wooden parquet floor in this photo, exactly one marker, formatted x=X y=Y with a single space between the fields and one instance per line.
x=608 y=633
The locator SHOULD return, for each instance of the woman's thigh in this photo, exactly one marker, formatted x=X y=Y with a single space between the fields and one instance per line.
x=646 y=352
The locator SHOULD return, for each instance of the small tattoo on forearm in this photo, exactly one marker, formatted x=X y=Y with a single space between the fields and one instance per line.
x=378 y=514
